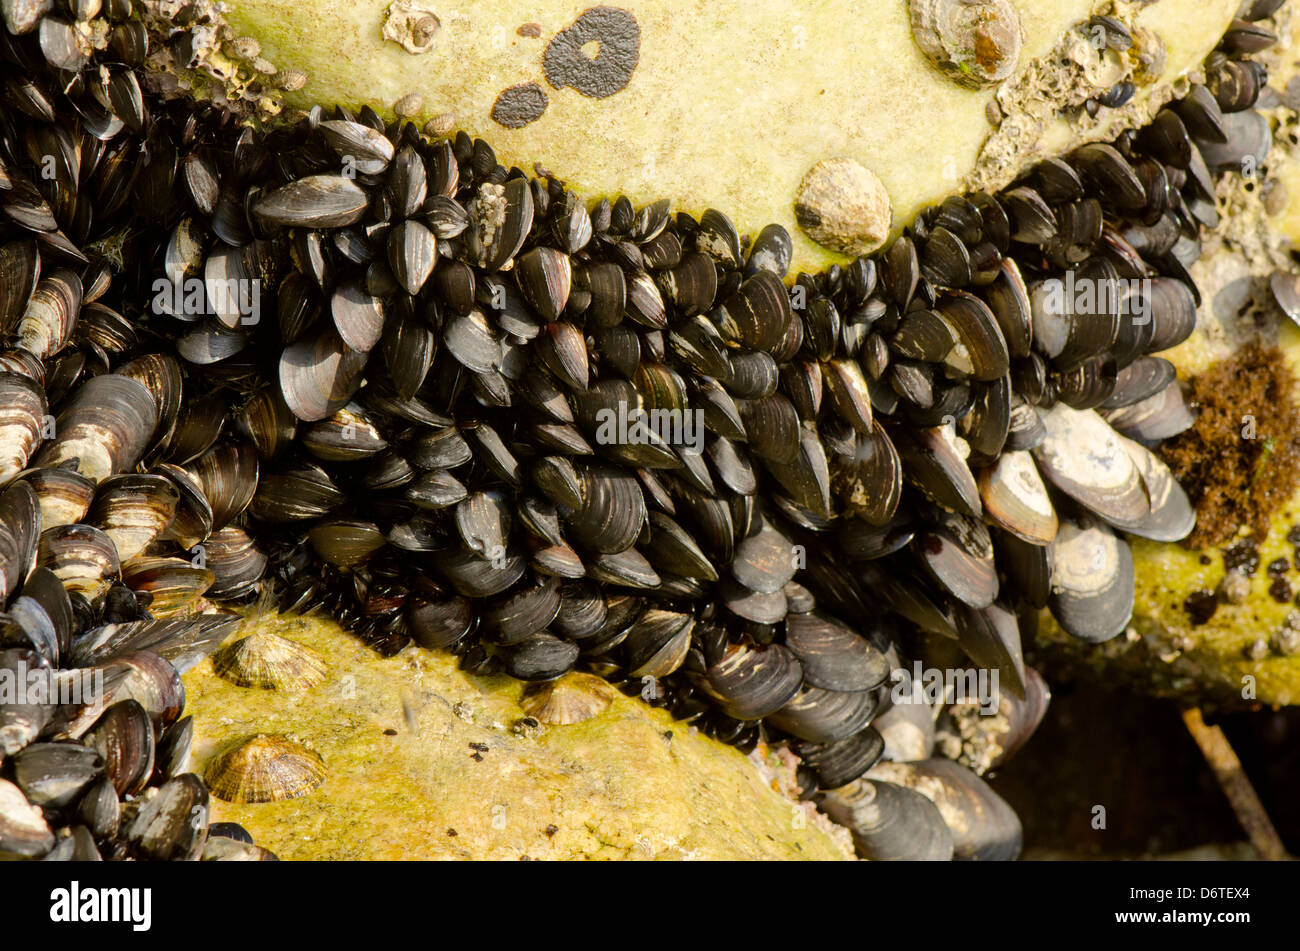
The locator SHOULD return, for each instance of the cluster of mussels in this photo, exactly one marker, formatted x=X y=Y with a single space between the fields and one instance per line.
x=349 y=368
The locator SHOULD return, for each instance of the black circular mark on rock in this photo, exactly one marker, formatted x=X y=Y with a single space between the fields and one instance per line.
x=617 y=34
x=519 y=105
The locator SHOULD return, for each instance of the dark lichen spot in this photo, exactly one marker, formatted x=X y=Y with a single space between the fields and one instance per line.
x=1242 y=555
x=1277 y=567
x=551 y=830
x=1280 y=590
x=617 y=36
x=390 y=732
x=519 y=105
x=1200 y=606
x=1233 y=480
x=530 y=30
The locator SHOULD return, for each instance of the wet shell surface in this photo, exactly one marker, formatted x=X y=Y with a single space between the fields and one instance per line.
x=573 y=698
x=265 y=768
x=269 y=661
x=975 y=43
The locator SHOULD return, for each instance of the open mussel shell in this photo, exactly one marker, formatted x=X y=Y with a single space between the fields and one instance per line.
x=1092 y=581
x=889 y=822
x=984 y=827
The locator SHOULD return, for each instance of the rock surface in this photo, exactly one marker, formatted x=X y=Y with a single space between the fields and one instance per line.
x=415 y=748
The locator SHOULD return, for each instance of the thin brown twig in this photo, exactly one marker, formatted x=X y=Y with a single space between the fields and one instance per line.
x=1236 y=786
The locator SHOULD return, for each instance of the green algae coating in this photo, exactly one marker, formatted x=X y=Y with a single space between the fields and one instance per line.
x=614 y=787
x=730 y=102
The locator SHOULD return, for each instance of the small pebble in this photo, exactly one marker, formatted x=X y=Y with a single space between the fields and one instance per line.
x=1235 y=587
x=1257 y=650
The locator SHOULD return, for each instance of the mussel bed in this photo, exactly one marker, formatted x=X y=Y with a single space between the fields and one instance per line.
x=342 y=366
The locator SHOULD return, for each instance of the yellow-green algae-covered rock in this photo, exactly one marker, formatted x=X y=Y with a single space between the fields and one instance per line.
x=424 y=761
x=724 y=104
